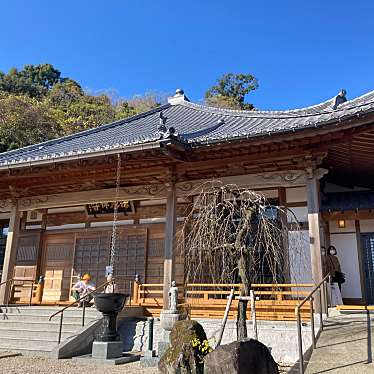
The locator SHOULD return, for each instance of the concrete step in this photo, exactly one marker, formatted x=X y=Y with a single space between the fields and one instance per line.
x=48 y=311
x=31 y=334
x=13 y=344
x=28 y=330
x=36 y=318
x=39 y=326
x=27 y=352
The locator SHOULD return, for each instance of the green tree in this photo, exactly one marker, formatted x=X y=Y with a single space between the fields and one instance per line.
x=37 y=103
x=83 y=113
x=24 y=121
x=231 y=90
x=32 y=80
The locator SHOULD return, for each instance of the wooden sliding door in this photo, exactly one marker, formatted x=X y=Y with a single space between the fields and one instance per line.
x=57 y=266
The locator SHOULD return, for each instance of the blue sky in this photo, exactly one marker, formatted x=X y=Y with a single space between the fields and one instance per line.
x=302 y=52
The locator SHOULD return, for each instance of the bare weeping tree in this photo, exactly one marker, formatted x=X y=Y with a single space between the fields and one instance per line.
x=234 y=234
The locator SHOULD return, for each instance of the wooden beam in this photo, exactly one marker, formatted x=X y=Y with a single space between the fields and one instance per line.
x=10 y=251
x=361 y=214
x=169 y=251
x=289 y=178
x=90 y=197
x=5 y=205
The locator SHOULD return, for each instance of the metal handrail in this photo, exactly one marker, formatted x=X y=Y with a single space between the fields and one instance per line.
x=11 y=281
x=62 y=310
x=310 y=297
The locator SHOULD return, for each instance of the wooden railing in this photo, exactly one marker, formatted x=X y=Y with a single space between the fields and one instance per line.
x=276 y=301
x=23 y=292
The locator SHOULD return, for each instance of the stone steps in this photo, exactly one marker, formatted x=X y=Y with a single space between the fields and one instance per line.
x=28 y=330
x=32 y=333
x=36 y=318
x=39 y=326
x=48 y=311
x=14 y=343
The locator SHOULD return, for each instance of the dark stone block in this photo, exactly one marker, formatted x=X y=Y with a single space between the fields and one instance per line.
x=241 y=357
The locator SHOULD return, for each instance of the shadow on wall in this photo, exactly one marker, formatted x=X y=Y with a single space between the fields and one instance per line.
x=133 y=333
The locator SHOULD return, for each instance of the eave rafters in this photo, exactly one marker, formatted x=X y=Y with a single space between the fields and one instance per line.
x=346 y=146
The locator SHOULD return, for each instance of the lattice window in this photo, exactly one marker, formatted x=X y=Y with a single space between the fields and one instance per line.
x=27 y=250
x=92 y=255
x=130 y=259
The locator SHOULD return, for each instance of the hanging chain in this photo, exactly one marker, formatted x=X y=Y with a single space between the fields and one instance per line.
x=114 y=244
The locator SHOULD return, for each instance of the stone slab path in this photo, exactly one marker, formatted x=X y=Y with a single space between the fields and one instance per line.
x=342 y=346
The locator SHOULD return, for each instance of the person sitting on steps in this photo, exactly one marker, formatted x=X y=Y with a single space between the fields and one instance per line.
x=83 y=287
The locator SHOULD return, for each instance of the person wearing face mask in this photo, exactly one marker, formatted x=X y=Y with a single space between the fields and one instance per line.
x=331 y=265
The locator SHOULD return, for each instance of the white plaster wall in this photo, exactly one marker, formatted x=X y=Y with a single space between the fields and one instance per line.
x=300 y=212
x=367 y=225
x=350 y=227
x=299 y=257
x=347 y=252
x=296 y=195
x=280 y=337
x=269 y=194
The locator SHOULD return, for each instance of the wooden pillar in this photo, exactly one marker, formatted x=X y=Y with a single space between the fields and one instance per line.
x=39 y=260
x=315 y=230
x=10 y=251
x=314 y=220
x=169 y=253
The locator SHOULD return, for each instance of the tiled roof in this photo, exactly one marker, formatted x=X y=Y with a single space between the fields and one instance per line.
x=196 y=125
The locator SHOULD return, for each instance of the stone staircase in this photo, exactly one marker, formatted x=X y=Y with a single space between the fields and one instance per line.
x=26 y=329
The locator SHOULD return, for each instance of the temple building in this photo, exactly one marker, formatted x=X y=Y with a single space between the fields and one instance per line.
x=57 y=197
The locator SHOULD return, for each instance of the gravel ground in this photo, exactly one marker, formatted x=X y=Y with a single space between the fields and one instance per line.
x=41 y=365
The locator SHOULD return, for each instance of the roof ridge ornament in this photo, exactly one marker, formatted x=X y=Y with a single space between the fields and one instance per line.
x=162 y=123
x=163 y=131
x=178 y=98
x=340 y=98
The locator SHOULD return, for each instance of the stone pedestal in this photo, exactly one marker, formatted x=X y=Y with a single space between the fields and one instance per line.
x=149 y=359
x=107 y=350
x=167 y=321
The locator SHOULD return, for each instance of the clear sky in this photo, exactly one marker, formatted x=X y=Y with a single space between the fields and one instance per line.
x=302 y=52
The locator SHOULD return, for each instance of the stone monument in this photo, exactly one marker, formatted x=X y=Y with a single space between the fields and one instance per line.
x=168 y=318
x=173 y=298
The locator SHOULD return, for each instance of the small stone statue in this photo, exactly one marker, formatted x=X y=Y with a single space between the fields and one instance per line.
x=173 y=298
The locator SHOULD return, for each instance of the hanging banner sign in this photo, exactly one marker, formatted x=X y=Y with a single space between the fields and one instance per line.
x=96 y=209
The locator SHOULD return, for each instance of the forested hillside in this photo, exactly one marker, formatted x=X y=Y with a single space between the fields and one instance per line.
x=37 y=103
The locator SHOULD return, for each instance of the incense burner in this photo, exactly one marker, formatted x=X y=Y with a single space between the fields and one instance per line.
x=109 y=304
